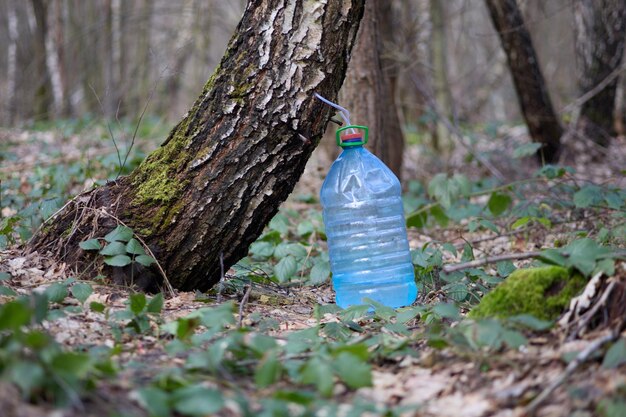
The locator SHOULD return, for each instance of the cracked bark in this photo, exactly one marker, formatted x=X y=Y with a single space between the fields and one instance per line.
x=225 y=168
x=543 y=124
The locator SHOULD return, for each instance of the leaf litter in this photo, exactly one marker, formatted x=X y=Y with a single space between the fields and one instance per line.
x=432 y=382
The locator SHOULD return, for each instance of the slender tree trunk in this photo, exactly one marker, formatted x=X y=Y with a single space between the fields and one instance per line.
x=368 y=90
x=59 y=42
x=600 y=33
x=543 y=123
x=11 y=22
x=110 y=91
x=439 y=53
x=43 y=92
x=225 y=168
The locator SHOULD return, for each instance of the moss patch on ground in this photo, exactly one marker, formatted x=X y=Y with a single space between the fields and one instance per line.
x=542 y=292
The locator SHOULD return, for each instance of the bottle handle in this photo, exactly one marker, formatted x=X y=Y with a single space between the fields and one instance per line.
x=350 y=138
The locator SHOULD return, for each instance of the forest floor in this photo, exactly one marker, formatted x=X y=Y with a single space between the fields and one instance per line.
x=427 y=381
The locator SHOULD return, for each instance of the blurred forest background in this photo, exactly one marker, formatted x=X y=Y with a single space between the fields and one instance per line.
x=111 y=58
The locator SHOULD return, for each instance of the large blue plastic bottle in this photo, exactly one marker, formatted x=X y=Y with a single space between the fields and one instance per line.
x=365 y=227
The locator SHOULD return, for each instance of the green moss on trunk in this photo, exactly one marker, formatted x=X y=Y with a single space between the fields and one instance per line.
x=542 y=292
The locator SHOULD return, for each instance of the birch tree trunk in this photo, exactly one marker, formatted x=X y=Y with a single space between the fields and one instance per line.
x=369 y=92
x=225 y=168
x=600 y=33
x=543 y=123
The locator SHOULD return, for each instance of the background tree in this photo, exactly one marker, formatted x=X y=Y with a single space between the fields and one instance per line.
x=543 y=123
x=369 y=89
x=43 y=93
x=600 y=33
x=220 y=176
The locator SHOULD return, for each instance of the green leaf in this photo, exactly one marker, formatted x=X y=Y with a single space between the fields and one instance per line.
x=197 y=400
x=613 y=407
x=587 y=196
x=260 y=249
x=616 y=355
x=294 y=249
x=318 y=372
x=155 y=401
x=112 y=249
x=120 y=233
x=583 y=254
x=56 y=292
x=268 y=371
x=381 y=310
x=355 y=312
x=457 y=291
x=14 y=315
x=81 y=291
x=417 y=219
x=498 y=203
x=7 y=291
x=137 y=302
x=145 y=260
x=280 y=223
x=513 y=338
x=489 y=225
x=286 y=268
x=72 y=363
x=156 y=304
x=134 y=247
x=440 y=216
x=118 y=260
x=49 y=207
x=527 y=149
x=305 y=228
x=446 y=310
x=90 y=244
x=5 y=276
x=96 y=307
x=26 y=375
x=522 y=221
x=531 y=322
x=505 y=268
x=353 y=371
x=320 y=272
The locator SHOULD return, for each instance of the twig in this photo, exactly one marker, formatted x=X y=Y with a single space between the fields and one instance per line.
x=244 y=300
x=595 y=90
x=571 y=367
x=593 y=310
x=220 y=286
x=117 y=149
x=489 y=260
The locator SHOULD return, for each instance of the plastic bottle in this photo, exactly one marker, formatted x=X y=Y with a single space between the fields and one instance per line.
x=365 y=227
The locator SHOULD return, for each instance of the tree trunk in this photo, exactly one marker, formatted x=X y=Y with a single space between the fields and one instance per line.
x=534 y=100
x=368 y=90
x=225 y=168
x=59 y=42
x=442 y=142
x=600 y=31
x=43 y=92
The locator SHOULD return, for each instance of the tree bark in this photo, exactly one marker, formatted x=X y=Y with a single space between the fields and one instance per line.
x=368 y=91
x=600 y=32
x=43 y=92
x=543 y=123
x=225 y=168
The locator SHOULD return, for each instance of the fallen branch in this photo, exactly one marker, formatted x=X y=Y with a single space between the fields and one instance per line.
x=571 y=367
x=490 y=260
x=586 y=318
